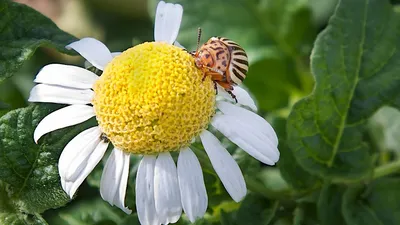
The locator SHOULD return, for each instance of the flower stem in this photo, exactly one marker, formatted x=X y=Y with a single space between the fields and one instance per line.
x=386 y=169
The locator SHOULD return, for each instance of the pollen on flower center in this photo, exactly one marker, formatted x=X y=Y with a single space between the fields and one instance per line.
x=152 y=99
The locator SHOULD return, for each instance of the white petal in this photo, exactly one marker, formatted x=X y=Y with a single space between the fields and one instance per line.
x=64 y=117
x=145 y=205
x=61 y=95
x=87 y=139
x=252 y=119
x=242 y=96
x=67 y=76
x=93 y=51
x=166 y=189
x=86 y=145
x=111 y=173
x=225 y=166
x=246 y=137
x=113 y=181
x=168 y=20
x=119 y=199
x=66 y=185
x=113 y=54
x=89 y=165
x=76 y=166
x=191 y=183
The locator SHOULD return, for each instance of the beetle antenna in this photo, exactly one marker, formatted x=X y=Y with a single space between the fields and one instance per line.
x=198 y=38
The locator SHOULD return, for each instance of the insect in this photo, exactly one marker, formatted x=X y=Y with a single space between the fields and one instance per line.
x=222 y=59
x=104 y=137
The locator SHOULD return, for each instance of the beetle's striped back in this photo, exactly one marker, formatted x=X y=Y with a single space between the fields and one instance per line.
x=239 y=64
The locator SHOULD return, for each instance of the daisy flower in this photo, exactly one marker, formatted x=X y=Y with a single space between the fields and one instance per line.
x=150 y=100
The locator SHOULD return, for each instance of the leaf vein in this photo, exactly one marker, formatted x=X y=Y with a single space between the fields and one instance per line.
x=354 y=86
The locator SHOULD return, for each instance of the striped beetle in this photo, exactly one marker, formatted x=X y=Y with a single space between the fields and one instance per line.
x=222 y=59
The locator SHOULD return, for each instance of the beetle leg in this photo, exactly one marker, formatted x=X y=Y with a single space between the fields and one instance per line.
x=232 y=95
x=228 y=88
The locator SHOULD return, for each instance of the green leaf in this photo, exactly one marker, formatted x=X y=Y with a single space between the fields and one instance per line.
x=356 y=64
x=30 y=169
x=5 y=205
x=376 y=204
x=22 y=31
x=4 y=105
x=10 y=93
x=21 y=219
x=256 y=210
x=90 y=212
x=329 y=203
x=290 y=170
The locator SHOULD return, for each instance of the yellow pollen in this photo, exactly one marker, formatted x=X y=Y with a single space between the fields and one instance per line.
x=152 y=99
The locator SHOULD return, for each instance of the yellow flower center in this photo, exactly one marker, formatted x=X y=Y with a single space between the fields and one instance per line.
x=152 y=99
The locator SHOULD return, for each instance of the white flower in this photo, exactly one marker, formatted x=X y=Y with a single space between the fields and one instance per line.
x=163 y=189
